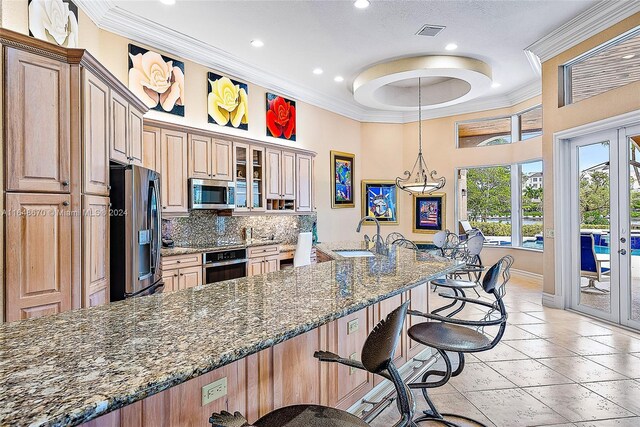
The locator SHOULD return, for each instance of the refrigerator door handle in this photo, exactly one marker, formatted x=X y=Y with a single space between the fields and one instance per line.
x=157 y=229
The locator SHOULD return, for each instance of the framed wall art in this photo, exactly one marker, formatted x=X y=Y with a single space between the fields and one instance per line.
x=429 y=213
x=380 y=200
x=157 y=80
x=227 y=102
x=281 y=117
x=55 y=21
x=342 y=172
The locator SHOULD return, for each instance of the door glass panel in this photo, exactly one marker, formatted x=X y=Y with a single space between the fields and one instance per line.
x=634 y=219
x=241 y=177
x=594 y=233
x=257 y=167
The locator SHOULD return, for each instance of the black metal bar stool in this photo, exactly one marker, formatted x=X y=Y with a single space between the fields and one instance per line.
x=377 y=358
x=448 y=334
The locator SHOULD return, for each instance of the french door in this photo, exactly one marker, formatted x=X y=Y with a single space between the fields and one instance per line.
x=605 y=225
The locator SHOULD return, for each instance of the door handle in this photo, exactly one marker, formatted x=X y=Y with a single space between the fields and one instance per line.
x=622 y=251
x=623 y=240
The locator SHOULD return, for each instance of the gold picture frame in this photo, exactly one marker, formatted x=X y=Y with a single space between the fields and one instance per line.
x=429 y=213
x=342 y=180
x=380 y=188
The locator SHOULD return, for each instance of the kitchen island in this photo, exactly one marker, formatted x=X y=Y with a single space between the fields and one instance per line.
x=144 y=361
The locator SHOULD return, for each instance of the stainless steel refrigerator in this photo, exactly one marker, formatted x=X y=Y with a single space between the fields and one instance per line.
x=135 y=231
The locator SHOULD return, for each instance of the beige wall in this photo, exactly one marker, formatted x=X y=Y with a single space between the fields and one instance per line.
x=555 y=118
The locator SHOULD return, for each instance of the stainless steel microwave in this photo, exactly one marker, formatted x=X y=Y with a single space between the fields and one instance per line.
x=211 y=194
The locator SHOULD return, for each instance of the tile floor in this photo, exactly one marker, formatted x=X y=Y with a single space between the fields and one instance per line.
x=552 y=368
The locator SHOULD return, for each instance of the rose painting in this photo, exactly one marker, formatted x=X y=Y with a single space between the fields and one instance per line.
x=227 y=102
x=55 y=21
x=281 y=117
x=157 y=80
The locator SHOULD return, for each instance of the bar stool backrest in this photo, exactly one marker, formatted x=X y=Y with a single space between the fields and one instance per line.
x=405 y=243
x=440 y=238
x=474 y=245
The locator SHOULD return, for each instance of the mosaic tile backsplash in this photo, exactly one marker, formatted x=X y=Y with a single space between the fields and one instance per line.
x=203 y=228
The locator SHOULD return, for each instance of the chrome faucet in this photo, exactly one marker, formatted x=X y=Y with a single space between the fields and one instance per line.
x=377 y=237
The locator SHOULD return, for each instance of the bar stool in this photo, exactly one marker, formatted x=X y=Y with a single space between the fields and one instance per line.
x=377 y=358
x=473 y=267
x=448 y=334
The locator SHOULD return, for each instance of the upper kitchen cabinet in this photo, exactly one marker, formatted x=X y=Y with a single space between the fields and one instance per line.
x=151 y=158
x=38 y=138
x=174 y=171
x=248 y=164
x=126 y=129
x=209 y=158
x=95 y=130
x=280 y=179
x=304 y=183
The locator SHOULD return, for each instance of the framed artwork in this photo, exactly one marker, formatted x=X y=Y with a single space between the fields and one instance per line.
x=281 y=117
x=380 y=200
x=342 y=171
x=55 y=21
x=429 y=213
x=227 y=102
x=157 y=80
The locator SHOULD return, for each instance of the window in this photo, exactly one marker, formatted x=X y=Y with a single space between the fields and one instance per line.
x=506 y=217
x=530 y=123
x=484 y=132
x=609 y=66
x=531 y=198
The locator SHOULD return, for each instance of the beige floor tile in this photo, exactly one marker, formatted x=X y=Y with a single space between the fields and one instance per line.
x=621 y=422
x=549 y=330
x=580 y=369
x=590 y=329
x=523 y=319
x=513 y=332
x=625 y=393
x=527 y=373
x=625 y=343
x=540 y=348
x=625 y=364
x=501 y=351
x=479 y=376
x=584 y=346
x=577 y=403
x=551 y=315
x=513 y=408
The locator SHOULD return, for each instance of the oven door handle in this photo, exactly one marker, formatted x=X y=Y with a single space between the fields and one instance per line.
x=223 y=263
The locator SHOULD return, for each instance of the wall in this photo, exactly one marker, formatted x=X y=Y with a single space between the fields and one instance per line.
x=318 y=130
x=556 y=118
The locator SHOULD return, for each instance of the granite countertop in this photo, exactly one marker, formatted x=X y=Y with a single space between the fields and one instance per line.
x=222 y=245
x=72 y=367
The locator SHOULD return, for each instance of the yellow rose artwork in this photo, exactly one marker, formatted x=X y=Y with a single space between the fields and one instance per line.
x=227 y=102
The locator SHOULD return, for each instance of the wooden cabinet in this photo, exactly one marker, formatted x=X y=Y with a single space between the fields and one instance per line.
x=181 y=271
x=170 y=280
x=151 y=148
x=174 y=171
x=419 y=300
x=263 y=259
x=125 y=130
x=95 y=250
x=95 y=144
x=280 y=181
x=209 y=158
x=273 y=178
x=288 y=175
x=189 y=277
x=304 y=183
x=248 y=162
x=37 y=123
x=39 y=254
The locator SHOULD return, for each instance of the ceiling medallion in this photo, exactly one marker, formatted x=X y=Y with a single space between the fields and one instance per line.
x=445 y=80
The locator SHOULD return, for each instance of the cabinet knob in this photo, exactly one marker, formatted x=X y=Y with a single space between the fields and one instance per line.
x=178 y=261
x=181 y=274
x=108 y=187
x=65 y=183
x=164 y=207
x=175 y=275
x=65 y=203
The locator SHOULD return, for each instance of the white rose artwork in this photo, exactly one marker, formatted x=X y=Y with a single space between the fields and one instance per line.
x=55 y=21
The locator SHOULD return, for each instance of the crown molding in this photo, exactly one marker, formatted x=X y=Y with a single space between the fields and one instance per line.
x=589 y=23
x=109 y=17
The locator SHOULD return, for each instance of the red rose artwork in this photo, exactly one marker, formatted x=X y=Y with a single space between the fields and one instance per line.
x=281 y=117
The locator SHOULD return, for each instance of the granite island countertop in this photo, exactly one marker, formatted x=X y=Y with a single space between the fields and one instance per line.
x=72 y=367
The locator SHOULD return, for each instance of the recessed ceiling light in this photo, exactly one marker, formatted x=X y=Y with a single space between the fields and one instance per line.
x=495 y=85
x=451 y=46
x=631 y=55
x=362 y=4
x=317 y=71
x=338 y=79
x=169 y=2
x=257 y=43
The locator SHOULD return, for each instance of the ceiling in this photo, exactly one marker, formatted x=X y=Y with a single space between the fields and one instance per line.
x=299 y=36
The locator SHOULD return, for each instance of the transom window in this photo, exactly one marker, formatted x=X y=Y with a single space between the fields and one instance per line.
x=500 y=130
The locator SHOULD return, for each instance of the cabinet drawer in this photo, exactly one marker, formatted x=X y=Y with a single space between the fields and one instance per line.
x=260 y=251
x=180 y=261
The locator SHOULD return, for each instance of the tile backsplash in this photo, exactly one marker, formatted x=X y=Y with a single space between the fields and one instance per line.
x=206 y=227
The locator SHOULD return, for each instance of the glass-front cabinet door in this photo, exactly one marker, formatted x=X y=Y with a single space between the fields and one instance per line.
x=248 y=163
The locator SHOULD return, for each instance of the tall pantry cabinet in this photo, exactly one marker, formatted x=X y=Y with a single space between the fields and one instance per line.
x=58 y=131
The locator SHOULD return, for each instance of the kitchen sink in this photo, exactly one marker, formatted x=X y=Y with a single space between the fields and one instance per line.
x=354 y=253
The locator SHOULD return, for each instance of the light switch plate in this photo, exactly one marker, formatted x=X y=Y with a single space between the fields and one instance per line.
x=550 y=234
x=352 y=356
x=352 y=326
x=214 y=391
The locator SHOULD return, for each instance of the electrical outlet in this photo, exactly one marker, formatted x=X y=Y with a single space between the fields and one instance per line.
x=353 y=356
x=214 y=391
x=550 y=234
x=352 y=326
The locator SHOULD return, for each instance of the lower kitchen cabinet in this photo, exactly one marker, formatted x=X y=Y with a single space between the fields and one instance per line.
x=263 y=259
x=39 y=245
x=419 y=300
x=181 y=271
x=95 y=250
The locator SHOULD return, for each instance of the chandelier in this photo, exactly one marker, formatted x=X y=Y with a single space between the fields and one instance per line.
x=420 y=180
